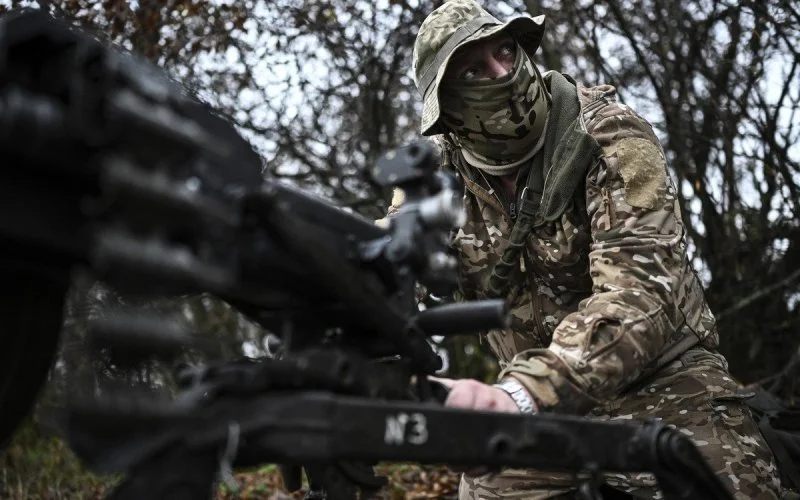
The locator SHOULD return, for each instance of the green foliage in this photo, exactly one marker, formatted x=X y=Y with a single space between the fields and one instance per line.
x=468 y=357
x=39 y=465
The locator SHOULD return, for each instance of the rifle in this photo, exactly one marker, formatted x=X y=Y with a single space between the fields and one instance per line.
x=109 y=166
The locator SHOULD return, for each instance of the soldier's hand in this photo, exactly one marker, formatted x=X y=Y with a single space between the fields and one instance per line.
x=473 y=395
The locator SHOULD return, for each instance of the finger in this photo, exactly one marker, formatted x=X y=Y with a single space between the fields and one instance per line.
x=447 y=382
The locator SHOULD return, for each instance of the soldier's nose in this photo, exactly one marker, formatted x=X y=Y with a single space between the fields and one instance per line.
x=496 y=68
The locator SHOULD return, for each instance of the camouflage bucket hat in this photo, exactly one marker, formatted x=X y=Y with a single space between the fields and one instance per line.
x=445 y=30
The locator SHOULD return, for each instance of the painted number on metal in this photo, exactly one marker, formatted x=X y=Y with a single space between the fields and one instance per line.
x=406 y=428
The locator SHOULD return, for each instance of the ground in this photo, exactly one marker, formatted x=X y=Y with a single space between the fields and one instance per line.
x=37 y=466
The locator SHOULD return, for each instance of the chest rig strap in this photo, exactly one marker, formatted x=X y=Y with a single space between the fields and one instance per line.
x=558 y=170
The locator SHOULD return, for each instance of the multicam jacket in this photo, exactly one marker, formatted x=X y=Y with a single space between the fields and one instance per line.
x=604 y=294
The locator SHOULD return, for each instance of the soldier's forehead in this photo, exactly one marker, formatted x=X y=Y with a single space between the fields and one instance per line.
x=469 y=48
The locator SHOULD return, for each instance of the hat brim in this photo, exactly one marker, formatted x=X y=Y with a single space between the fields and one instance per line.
x=527 y=31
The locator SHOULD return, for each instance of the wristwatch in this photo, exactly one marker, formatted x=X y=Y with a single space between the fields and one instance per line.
x=518 y=394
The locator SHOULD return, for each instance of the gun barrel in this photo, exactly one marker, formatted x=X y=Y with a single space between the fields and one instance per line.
x=461 y=318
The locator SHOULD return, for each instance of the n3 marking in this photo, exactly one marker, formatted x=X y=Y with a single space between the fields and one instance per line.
x=404 y=428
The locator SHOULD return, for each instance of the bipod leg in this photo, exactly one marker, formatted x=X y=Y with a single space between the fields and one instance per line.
x=342 y=481
x=590 y=487
x=315 y=492
x=176 y=474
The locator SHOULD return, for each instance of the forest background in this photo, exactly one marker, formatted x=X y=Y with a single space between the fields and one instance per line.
x=322 y=88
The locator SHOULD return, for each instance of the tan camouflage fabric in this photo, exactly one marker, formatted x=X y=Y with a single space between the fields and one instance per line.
x=605 y=293
x=694 y=394
x=445 y=30
x=498 y=120
x=608 y=318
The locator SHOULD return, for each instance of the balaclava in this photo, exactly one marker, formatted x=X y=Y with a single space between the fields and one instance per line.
x=498 y=122
x=511 y=127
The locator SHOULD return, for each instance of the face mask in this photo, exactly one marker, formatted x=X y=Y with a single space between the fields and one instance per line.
x=498 y=120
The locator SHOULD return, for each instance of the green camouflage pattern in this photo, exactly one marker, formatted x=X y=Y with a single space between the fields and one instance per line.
x=608 y=317
x=606 y=292
x=497 y=120
x=432 y=51
x=694 y=394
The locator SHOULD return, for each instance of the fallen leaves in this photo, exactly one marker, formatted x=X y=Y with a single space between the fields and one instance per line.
x=406 y=482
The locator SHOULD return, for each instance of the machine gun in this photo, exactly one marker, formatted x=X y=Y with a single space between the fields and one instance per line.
x=109 y=166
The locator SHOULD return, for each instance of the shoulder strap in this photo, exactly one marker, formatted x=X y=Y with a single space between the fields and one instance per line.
x=556 y=172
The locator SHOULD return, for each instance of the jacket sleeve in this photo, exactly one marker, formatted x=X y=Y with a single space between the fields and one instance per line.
x=637 y=259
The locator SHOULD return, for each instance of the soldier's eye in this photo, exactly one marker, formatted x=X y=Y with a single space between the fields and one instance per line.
x=468 y=74
x=508 y=50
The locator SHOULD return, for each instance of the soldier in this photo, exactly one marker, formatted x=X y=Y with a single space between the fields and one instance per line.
x=573 y=219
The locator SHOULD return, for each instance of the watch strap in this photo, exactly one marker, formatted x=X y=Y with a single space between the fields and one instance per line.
x=519 y=394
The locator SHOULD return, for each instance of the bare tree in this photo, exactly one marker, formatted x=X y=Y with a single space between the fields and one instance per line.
x=322 y=88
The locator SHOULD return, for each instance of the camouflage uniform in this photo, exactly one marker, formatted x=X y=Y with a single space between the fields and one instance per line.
x=608 y=318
